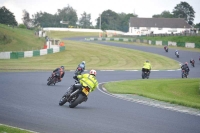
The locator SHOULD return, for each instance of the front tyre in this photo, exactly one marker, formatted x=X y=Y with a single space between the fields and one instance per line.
x=63 y=100
x=52 y=81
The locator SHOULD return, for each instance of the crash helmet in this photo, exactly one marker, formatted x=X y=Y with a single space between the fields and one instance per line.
x=147 y=61
x=83 y=62
x=93 y=72
x=62 y=67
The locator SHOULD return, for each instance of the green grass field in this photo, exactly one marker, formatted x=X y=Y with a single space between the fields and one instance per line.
x=96 y=57
x=184 y=92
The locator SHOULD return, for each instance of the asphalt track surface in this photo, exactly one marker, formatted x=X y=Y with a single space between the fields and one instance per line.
x=27 y=102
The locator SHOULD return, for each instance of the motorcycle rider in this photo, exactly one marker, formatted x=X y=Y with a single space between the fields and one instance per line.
x=176 y=52
x=60 y=72
x=80 y=68
x=87 y=80
x=186 y=68
x=192 y=60
x=146 y=67
x=165 y=47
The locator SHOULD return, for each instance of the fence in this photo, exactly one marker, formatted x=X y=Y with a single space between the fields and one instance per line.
x=152 y=42
x=24 y=54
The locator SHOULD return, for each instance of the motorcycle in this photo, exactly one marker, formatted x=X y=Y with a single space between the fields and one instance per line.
x=145 y=74
x=184 y=74
x=78 y=71
x=177 y=54
x=53 y=79
x=75 y=97
x=192 y=63
x=166 y=49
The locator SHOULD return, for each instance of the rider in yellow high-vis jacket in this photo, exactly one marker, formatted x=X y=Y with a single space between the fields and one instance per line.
x=88 y=80
x=146 y=67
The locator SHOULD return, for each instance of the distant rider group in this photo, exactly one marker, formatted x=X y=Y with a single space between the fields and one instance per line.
x=184 y=67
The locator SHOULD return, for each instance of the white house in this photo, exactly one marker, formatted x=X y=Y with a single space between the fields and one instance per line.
x=143 y=26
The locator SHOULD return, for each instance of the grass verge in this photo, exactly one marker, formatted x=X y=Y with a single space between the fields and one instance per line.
x=184 y=92
x=9 y=129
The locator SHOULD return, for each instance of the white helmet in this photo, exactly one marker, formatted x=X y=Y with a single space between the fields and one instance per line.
x=93 y=72
x=83 y=62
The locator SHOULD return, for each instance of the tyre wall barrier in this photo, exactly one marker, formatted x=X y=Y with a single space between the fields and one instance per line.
x=152 y=42
x=24 y=54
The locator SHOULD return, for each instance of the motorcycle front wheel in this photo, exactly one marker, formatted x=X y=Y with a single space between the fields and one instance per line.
x=52 y=81
x=63 y=100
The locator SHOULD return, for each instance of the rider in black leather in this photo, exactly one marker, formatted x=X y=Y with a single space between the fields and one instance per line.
x=186 y=68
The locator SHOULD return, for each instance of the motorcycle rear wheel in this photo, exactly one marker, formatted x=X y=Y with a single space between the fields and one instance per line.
x=77 y=101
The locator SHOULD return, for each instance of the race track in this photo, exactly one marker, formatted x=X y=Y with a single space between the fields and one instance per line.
x=27 y=102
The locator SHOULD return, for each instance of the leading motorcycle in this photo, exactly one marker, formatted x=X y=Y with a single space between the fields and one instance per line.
x=76 y=94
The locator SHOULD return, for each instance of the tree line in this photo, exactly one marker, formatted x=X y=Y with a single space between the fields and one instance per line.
x=107 y=20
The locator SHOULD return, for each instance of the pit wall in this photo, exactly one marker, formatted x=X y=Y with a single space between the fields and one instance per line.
x=169 y=43
x=25 y=54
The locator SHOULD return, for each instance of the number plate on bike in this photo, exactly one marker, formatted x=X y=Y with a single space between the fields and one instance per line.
x=85 y=91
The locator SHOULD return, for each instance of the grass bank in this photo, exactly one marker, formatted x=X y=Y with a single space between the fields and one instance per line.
x=96 y=56
x=184 y=92
x=18 y=39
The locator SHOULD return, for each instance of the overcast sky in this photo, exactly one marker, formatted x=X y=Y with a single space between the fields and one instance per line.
x=143 y=8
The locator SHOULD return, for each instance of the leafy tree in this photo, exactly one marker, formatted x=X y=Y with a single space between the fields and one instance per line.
x=7 y=17
x=124 y=21
x=164 y=14
x=22 y=26
x=197 y=26
x=184 y=10
x=85 y=19
x=68 y=14
x=45 y=19
x=26 y=19
x=109 y=20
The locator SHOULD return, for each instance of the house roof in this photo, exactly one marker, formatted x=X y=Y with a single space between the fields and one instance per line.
x=159 y=22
